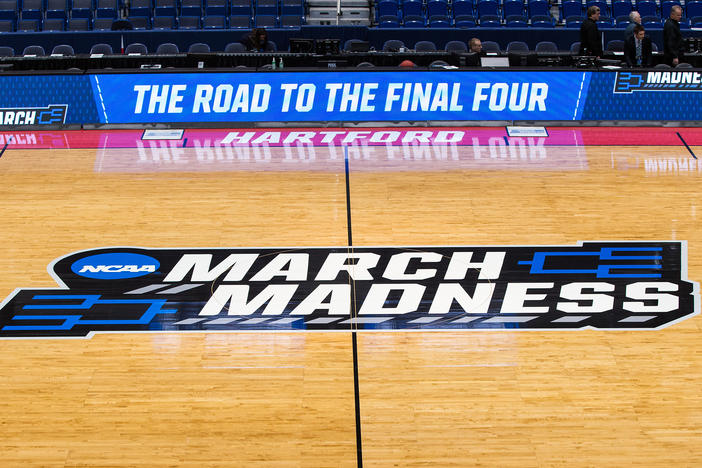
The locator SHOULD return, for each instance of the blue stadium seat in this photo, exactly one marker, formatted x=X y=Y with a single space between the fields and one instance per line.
x=575 y=48
x=290 y=21
x=167 y=48
x=216 y=7
x=605 y=22
x=513 y=8
x=462 y=8
x=622 y=21
x=516 y=21
x=102 y=24
x=53 y=24
x=188 y=22
x=266 y=7
x=571 y=8
x=696 y=22
x=165 y=8
x=411 y=8
x=191 y=8
x=490 y=21
x=393 y=45
x=491 y=47
x=439 y=21
x=235 y=48
x=6 y=51
x=9 y=9
x=517 y=46
x=240 y=22
x=456 y=46
x=140 y=8
x=465 y=21
x=389 y=21
x=684 y=23
x=78 y=24
x=34 y=50
x=56 y=9
x=7 y=25
x=106 y=9
x=136 y=48
x=651 y=22
x=425 y=46
x=413 y=21
x=621 y=8
x=437 y=8
x=103 y=49
x=616 y=45
x=164 y=23
x=574 y=22
x=28 y=25
x=542 y=22
x=214 y=22
x=546 y=47
x=693 y=8
x=140 y=23
x=647 y=8
x=487 y=7
x=538 y=8
x=266 y=21
x=199 y=48
x=292 y=7
x=82 y=9
x=387 y=8
x=32 y=9
x=63 y=49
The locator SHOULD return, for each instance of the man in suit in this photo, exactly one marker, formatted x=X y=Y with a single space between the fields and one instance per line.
x=672 y=39
x=590 y=40
x=634 y=19
x=638 y=49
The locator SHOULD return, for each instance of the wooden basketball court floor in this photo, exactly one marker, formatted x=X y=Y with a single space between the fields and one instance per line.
x=450 y=398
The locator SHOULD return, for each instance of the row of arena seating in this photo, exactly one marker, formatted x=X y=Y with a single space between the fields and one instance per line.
x=36 y=9
x=135 y=48
x=529 y=8
x=648 y=22
x=157 y=22
x=519 y=21
x=543 y=47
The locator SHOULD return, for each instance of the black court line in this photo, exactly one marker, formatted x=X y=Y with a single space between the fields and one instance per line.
x=354 y=343
x=5 y=147
x=686 y=145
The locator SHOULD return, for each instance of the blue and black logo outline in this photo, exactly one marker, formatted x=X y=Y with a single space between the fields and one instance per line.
x=83 y=306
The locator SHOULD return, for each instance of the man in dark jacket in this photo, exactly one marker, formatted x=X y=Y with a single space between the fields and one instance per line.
x=672 y=39
x=590 y=40
x=638 y=49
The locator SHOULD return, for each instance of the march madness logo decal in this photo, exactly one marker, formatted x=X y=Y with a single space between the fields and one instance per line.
x=600 y=285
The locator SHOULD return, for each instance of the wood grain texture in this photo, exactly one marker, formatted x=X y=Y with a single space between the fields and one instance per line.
x=521 y=399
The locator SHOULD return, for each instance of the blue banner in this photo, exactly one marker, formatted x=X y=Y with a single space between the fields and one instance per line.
x=339 y=96
x=349 y=96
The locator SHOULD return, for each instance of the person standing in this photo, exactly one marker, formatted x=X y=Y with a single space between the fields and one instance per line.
x=672 y=38
x=590 y=40
x=634 y=19
x=638 y=49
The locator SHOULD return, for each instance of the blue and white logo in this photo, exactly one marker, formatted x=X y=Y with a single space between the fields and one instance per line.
x=118 y=265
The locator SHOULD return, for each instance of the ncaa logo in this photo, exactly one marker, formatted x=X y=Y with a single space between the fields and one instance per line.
x=119 y=265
